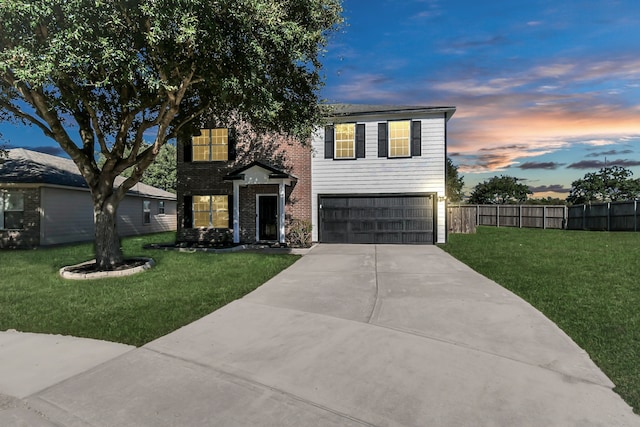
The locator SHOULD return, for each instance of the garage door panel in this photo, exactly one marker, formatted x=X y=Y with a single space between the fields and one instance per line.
x=377 y=219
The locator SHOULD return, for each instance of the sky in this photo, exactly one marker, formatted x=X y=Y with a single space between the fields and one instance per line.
x=545 y=90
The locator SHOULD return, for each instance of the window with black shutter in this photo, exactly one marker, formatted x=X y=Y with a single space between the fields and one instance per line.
x=328 y=142
x=383 y=143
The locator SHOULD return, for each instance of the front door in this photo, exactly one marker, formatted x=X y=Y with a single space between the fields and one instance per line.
x=267 y=217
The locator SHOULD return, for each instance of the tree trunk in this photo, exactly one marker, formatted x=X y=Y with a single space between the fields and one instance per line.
x=107 y=240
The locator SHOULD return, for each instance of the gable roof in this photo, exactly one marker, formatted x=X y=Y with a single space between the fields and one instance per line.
x=32 y=167
x=274 y=172
x=341 y=110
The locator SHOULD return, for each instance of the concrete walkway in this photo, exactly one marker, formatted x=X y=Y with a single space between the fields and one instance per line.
x=350 y=335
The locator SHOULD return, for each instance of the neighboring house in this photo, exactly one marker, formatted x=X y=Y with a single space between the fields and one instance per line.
x=45 y=201
x=374 y=174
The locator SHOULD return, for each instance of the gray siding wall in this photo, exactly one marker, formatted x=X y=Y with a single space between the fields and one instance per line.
x=375 y=175
x=130 y=217
x=67 y=216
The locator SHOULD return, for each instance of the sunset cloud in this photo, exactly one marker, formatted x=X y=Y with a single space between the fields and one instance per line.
x=554 y=188
x=610 y=153
x=540 y=165
x=597 y=164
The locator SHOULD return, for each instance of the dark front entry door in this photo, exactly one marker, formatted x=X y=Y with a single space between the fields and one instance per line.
x=268 y=217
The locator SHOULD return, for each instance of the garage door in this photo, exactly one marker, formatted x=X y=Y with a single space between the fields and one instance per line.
x=376 y=219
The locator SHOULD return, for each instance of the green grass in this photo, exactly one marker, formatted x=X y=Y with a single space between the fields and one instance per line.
x=133 y=310
x=588 y=283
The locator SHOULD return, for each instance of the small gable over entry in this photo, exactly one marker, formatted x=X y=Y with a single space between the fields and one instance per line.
x=258 y=173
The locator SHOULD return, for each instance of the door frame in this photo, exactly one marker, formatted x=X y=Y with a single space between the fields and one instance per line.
x=277 y=239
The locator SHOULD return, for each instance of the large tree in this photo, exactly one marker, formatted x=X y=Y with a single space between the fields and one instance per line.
x=161 y=173
x=500 y=190
x=101 y=75
x=609 y=184
x=455 y=182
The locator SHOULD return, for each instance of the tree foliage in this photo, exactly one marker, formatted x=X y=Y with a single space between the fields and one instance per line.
x=500 y=190
x=609 y=184
x=546 y=201
x=455 y=182
x=161 y=173
x=101 y=75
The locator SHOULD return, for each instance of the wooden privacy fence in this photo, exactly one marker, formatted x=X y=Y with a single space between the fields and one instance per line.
x=612 y=216
x=465 y=218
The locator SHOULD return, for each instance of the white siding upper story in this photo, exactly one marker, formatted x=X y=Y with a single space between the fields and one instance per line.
x=381 y=175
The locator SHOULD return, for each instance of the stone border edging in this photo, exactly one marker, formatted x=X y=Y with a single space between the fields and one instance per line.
x=66 y=274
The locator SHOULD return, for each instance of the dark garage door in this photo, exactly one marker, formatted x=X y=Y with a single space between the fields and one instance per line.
x=376 y=219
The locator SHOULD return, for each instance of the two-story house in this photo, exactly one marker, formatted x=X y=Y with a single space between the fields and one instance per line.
x=373 y=174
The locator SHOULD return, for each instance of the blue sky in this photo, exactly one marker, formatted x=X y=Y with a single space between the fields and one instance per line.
x=545 y=90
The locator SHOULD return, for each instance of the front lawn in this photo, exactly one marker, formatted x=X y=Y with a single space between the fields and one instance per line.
x=133 y=310
x=587 y=282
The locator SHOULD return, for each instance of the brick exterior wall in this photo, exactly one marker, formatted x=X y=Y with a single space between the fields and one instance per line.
x=29 y=236
x=299 y=197
x=206 y=178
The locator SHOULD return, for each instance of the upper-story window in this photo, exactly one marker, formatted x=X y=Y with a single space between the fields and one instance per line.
x=345 y=141
x=399 y=139
x=211 y=145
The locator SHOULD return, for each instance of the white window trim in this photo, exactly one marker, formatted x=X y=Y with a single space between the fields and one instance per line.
x=335 y=142
x=408 y=156
x=5 y=195
x=145 y=211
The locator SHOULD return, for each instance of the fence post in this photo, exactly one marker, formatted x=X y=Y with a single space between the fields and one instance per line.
x=519 y=216
x=498 y=216
x=584 y=217
x=544 y=217
x=608 y=216
x=635 y=215
x=565 y=217
x=477 y=215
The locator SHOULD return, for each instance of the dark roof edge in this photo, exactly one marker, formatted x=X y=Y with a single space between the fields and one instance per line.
x=347 y=110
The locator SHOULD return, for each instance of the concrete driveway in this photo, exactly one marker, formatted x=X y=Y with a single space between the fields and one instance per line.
x=350 y=335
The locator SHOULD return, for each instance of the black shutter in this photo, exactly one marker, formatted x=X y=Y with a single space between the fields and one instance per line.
x=360 y=129
x=230 y=209
x=188 y=211
x=232 y=144
x=416 y=138
x=328 y=142
x=187 y=150
x=383 y=143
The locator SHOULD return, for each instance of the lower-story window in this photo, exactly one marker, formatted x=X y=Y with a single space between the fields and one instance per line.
x=211 y=211
x=146 y=212
x=11 y=211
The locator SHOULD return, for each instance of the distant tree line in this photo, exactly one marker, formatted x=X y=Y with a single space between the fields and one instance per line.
x=609 y=184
